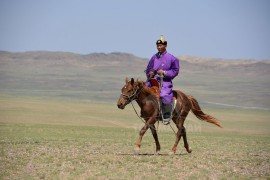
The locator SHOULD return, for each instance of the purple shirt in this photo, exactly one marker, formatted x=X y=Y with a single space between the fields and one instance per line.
x=170 y=65
x=166 y=62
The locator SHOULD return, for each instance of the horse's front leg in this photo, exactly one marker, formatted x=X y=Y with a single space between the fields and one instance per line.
x=154 y=133
x=139 y=141
x=147 y=125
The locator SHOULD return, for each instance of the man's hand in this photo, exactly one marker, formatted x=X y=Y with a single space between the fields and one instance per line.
x=151 y=74
x=160 y=72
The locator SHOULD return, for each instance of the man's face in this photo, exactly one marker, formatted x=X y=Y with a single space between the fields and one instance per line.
x=161 y=48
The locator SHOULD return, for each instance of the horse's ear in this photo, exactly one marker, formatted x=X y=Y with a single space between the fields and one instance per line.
x=132 y=81
x=126 y=80
x=141 y=84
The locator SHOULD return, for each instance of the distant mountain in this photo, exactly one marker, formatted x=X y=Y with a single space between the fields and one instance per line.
x=258 y=66
x=99 y=77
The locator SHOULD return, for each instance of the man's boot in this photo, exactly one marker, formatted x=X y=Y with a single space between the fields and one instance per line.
x=167 y=110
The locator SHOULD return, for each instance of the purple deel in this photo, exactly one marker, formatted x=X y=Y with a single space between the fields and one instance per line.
x=168 y=63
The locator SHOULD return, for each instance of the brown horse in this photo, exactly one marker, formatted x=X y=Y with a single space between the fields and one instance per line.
x=147 y=100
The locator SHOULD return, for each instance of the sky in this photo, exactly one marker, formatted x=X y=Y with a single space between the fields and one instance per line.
x=227 y=29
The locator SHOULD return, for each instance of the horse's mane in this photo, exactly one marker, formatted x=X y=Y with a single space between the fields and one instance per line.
x=154 y=90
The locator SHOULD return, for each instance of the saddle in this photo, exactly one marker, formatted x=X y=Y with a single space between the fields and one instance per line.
x=154 y=89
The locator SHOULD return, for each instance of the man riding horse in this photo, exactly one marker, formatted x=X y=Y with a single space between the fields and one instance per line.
x=164 y=67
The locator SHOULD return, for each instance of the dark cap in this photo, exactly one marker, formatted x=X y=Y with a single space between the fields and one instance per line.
x=161 y=41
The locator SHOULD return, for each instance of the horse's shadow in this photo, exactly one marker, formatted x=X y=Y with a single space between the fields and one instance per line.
x=150 y=154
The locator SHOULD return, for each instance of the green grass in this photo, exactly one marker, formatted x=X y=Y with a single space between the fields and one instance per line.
x=46 y=139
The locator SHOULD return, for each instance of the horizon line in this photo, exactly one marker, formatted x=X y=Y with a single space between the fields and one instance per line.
x=119 y=52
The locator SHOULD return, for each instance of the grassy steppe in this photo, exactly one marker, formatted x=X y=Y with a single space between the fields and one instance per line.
x=47 y=139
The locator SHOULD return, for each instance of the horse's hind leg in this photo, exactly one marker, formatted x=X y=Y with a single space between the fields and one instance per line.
x=179 y=126
x=154 y=133
x=181 y=131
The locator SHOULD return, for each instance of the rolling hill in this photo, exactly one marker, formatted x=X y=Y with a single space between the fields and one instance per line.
x=98 y=77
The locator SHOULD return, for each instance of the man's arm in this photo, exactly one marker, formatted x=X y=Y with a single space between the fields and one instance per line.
x=173 y=72
x=149 y=69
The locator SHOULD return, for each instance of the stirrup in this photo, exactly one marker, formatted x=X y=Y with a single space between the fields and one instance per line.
x=166 y=121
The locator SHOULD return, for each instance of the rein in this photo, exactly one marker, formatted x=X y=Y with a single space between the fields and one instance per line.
x=133 y=97
x=151 y=126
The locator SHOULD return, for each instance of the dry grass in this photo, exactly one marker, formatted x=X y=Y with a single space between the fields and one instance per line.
x=43 y=139
x=58 y=151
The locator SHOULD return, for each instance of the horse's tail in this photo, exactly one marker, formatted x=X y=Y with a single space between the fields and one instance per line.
x=200 y=114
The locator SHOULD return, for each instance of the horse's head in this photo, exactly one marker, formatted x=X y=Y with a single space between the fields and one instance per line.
x=129 y=93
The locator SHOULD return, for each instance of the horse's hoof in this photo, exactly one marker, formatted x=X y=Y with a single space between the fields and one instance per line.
x=157 y=153
x=189 y=150
x=136 y=150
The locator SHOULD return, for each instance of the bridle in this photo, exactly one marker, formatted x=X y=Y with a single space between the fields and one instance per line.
x=131 y=97
x=134 y=96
